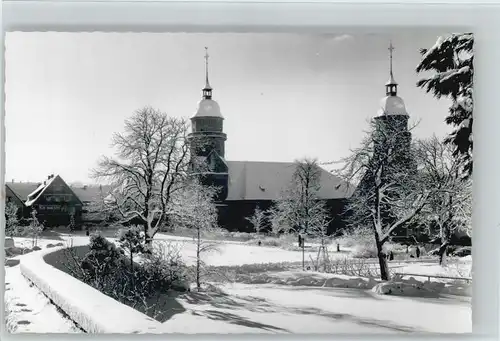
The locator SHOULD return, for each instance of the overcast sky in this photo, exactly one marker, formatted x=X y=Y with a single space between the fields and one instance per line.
x=283 y=96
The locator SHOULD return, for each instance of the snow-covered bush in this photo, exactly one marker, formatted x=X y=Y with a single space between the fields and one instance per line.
x=12 y=227
x=132 y=240
x=142 y=286
x=166 y=264
x=101 y=262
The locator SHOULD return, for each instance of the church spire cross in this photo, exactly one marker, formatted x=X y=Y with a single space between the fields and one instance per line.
x=207 y=83
x=207 y=90
x=391 y=48
x=391 y=85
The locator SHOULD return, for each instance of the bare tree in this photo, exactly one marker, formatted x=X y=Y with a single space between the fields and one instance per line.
x=99 y=210
x=450 y=204
x=278 y=215
x=34 y=229
x=152 y=163
x=257 y=219
x=388 y=195
x=318 y=228
x=300 y=209
x=196 y=209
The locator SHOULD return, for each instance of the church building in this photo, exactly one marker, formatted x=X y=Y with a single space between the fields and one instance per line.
x=246 y=185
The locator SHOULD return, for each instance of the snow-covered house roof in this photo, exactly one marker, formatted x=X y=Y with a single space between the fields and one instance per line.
x=22 y=189
x=37 y=193
x=94 y=193
x=33 y=196
x=250 y=180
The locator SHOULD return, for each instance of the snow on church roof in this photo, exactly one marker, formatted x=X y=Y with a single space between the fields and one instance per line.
x=392 y=105
x=208 y=108
x=255 y=180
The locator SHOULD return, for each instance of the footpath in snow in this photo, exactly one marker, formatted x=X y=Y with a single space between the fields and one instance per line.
x=29 y=311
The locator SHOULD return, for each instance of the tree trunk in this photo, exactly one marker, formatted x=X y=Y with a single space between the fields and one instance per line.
x=198 y=242
x=303 y=257
x=325 y=255
x=442 y=252
x=382 y=259
x=132 y=269
x=148 y=240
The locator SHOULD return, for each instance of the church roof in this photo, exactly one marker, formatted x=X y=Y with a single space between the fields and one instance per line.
x=254 y=180
x=392 y=105
x=391 y=80
x=208 y=108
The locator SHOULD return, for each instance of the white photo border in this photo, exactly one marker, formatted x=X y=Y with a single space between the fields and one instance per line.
x=318 y=16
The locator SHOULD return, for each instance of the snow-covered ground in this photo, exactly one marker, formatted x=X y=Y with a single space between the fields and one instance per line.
x=28 y=310
x=290 y=305
x=461 y=267
x=283 y=309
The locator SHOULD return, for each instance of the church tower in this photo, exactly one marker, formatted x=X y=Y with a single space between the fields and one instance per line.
x=391 y=120
x=207 y=140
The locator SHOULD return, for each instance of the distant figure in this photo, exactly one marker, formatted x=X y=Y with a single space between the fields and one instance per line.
x=300 y=240
x=391 y=256
x=259 y=243
x=418 y=252
x=338 y=247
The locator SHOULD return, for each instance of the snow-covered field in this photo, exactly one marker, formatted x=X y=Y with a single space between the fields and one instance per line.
x=283 y=309
x=290 y=305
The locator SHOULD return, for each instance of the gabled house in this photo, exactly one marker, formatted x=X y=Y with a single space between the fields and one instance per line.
x=17 y=193
x=53 y=200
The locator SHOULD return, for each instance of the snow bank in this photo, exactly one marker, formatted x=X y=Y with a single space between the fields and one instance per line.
x=407 y=288
x=398 y=286
x=311 y=279
x=414 y=288
x=90 y=309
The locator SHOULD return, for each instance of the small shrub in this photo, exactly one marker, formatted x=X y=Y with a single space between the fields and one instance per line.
x=102 y=260
x=132 y=239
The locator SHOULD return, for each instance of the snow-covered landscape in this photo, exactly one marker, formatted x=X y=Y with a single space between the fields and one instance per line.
x=283 y=299
x=343 y=217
